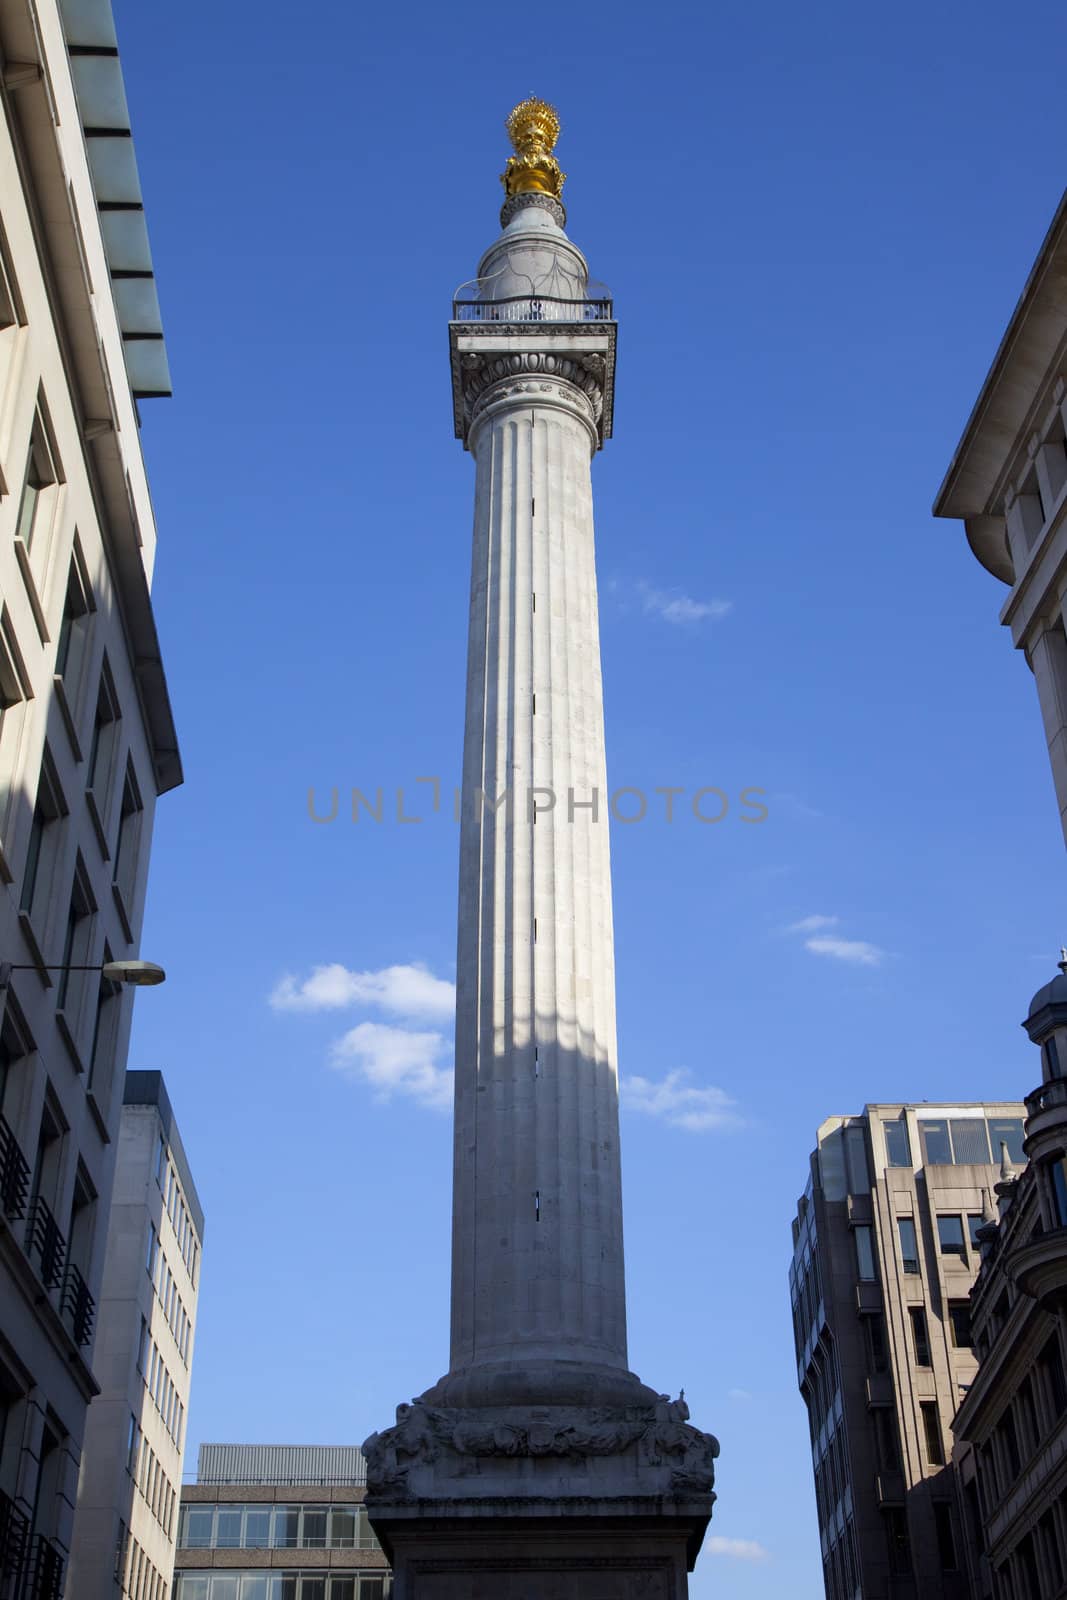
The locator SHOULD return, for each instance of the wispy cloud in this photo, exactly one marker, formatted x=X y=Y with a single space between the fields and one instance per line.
x=404 y=991
x=739 y=1394
x=738 y=1549
x=812 y=924
x=681 y=609
x=679 y=1103
x=396 y=1061
x=857 y=952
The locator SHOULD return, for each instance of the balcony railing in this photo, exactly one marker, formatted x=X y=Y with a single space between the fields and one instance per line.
x=44 y=1581
x=14 y=1542
x=14 y=1175
x=44 y=1240
x=532 y=308
x=1047 y=1097
x=78 y=1305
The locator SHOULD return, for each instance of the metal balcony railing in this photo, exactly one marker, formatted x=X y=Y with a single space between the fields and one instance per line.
x=14 y=1543
x=44 y=1240
x=532 y=308
x=14 y=1175
x=78 y=1305
x=44 y=1580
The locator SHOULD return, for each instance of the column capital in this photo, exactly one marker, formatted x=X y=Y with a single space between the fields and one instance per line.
x=544 y=360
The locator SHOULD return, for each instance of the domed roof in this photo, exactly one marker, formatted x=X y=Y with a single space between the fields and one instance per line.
x=1053 y=994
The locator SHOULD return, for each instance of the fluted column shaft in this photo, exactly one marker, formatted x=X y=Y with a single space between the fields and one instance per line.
x=537 y=1214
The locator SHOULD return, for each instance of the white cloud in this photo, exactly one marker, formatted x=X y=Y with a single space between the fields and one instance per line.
x=396 y=1061
x=855 y=951
x=405 y=991
x=739 y=1394
x=680 y=1104
x=674 y=606
x=812 y=924
x=738 y=1549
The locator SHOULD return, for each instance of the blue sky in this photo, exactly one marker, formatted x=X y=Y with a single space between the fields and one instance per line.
x=815 y=223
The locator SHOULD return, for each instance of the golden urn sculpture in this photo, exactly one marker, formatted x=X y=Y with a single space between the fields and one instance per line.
x=533 y=128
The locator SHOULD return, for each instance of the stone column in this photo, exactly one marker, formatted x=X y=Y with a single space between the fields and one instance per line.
x=1048 y=658
x=537 y=1206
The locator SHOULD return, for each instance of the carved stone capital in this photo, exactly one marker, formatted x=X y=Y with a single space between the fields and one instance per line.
x=543 y=202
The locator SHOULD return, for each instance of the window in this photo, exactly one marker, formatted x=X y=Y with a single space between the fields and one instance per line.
x=133 y=1440
x=937 y=1149
x=196 y=1527
x=946 y=1544
x=1009 y=1131
x=15 y=690
x=286 y=1527
x=42 y=474
x=76 y=943
x=105 y=1023
x=1009 y=1447
x=974 y=1222
x=1028 y=1416
x=343 y=1527
x=959 y=1316
x=1027 y=1567
x=1050 y=1366
x=864 y=1252
x=879 y=1356
x=1051 y=1056
x=71 y=647
x=103 y=745
x=885 y=1433
x=897 y=1144
x=909 y=1244
x=228 y=1528
x=49 y=808
x=935 y=1448
x=1050 y=1543
x=919 y=1336
x=125 y=873
x=950 y=1237
x=896 y=1533
x=257 y=1527
x=153 y=1250
x=970 y=1146
x=1057 y=1180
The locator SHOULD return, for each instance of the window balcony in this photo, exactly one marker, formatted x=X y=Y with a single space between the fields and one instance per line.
x=78 y=1305
x=45 y=1242
x=532 y=308
x=14 y=1540
x=44 y=1580
x=14 y=1175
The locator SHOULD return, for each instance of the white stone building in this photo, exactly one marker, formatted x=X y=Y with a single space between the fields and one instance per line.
x=125 y=1527
x=1008 y=483
x=86 y=736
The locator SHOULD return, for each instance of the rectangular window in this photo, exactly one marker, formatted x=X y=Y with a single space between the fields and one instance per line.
x=1009 y=1131
x=909 y=1244
x=153 y=1250
x=286 y=1527
x=919 y=1336
x=196 y=1527
x=41 y=852
x=1051 y=1545
x=974 y=1222
x=1058 y=1184
x=946 y=1543
x=864 y=1252
x=1028 y=1416
x=41 y=475
x=879 y=1356
x=1050 y=1366
x=228 y=1534
x=897 y=1144
x=1009 y=1447
x=132 y=1441
x=970 y=1147
x=257 y=1527
x=896 y=1532
x=77 y=944
x=950 y=1236
x=103 y=746
x=959 y=1316
x=885 y=1433
x=313 y=1535
x=935 y=1448
x=125 y=873
x=342 y=1527
x=937 y=1150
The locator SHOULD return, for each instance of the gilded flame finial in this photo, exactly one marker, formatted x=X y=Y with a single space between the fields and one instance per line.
x=533 y=128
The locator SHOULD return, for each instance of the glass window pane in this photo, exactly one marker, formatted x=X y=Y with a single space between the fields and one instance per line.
x=254 y=1586
x=257 y=1527
x=314 y=1533
x=287 y=1586
x=224 y=1585
x=372 y=1589
x=313 y=1586
x=191 y=1585
x=343 y=1586
x=197 y=1527
x=897 y=1145
x=1010 y=1130
x=228 y=1534
x=286 y=1527
x=950 y=1236
x=864 y=1253
x=936 y=1147
x=909 y=1245
x=969 y=1143
x=973 y=1224
x=343 y=1527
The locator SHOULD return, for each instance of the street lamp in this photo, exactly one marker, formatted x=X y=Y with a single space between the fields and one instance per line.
x=138 y=974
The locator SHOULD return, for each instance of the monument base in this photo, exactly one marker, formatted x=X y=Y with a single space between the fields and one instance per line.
x=541 y=1501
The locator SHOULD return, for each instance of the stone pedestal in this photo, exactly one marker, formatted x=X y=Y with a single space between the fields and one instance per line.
x=537 y=1501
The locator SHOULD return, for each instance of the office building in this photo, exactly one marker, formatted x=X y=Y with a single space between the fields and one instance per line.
x=125 y=1526
x=278 y=1522
x=1008 y=483
x=86 y=736
x=884 y=1254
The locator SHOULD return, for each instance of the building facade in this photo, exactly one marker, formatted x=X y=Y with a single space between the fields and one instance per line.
x=1012 y=1423
x=1008 y=483
x=86 y=736
x=884 y=1254
x=278 y=1522
x=126 y=1523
